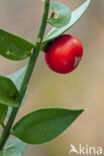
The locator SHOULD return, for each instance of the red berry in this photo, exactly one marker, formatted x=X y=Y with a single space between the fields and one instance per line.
x=63 y=54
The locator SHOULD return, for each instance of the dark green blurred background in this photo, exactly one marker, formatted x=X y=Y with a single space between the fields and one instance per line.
x=83 y=88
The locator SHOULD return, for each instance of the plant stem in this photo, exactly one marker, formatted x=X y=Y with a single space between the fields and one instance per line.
x=25 y=82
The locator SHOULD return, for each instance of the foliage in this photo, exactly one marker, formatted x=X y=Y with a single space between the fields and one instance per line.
x=41 y=125
x=44 y=125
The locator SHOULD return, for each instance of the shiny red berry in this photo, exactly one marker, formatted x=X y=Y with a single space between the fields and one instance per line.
x=63 y=54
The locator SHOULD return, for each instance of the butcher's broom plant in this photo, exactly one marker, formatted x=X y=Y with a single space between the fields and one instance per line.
x=62 y=54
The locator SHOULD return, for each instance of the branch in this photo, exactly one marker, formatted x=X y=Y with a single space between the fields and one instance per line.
x=25 y=82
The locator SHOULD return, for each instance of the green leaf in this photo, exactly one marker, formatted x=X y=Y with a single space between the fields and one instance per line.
x=17 y=78
x=11 y=152
x=44 y=125
x=60 y=16
x=3 y=112
x=14 y=147
x=14 y=47
x=75 y=16
x=8 y=92
x=16 y=143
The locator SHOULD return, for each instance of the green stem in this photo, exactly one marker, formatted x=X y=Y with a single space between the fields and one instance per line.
x=25 y=82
